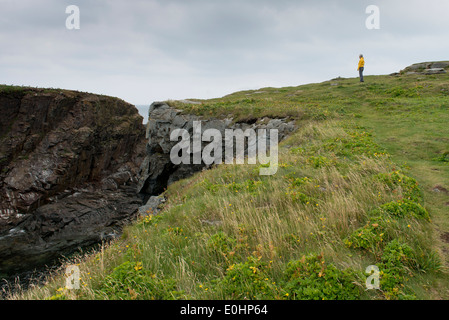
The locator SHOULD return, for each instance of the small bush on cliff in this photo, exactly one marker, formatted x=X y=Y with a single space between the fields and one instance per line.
x=405 y=208
x=398 y=182
x=130 y=280
x=398 y=260
x=248 y=280
x=443 y=157
x=311 y=278
x=222 y=244
x=370 y=237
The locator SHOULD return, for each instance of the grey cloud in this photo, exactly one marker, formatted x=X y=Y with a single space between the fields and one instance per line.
x=158 y=49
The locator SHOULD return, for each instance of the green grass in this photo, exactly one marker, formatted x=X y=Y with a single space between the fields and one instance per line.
x=353 y=189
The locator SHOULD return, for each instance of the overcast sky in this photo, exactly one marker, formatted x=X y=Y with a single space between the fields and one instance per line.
x=143 y=51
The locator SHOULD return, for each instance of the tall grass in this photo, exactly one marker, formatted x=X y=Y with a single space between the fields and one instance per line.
x=228 y=233
x=222 y=217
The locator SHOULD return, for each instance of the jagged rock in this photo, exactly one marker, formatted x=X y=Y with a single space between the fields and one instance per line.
x=426 y=68
x=59 y=228
x=68 y=172
x=419 y=66
x=434 y=71
x=441 y=64
x=152 y=206
x=439 y=188
x=158 y=171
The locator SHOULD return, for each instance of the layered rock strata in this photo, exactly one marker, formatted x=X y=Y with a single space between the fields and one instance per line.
x=68 y=172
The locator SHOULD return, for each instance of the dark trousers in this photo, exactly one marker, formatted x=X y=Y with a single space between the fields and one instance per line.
x=361 y=74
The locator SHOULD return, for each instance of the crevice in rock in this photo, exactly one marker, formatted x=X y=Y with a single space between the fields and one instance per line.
x=157 y=170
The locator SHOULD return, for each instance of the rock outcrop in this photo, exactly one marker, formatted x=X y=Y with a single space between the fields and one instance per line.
x=427 y=68
x=68 y=172
x=76 y=167
x=158 y=171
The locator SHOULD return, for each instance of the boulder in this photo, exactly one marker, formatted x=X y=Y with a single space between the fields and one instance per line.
x=441 y=64
x=434 y=71
x=152 y=206
x=427 y=68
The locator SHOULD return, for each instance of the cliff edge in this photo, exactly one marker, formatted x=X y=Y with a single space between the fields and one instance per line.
x=68 y=172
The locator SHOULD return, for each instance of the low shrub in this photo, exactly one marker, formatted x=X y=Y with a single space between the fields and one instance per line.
x=443 y=157
x=248 y=280
x=130 y=281
x=398 y=260
x=371 y=236
x=405 y=208
x=319 y=161
x=221 y=243
x=396 y=180
x=298 y=196
x=312 y=279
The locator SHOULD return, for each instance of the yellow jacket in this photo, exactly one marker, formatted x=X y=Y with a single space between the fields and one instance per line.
x=361 y=63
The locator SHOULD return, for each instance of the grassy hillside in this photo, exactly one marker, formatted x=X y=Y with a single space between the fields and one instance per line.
x=361 y=182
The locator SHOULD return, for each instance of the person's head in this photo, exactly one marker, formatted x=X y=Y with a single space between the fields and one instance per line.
x=361 y=56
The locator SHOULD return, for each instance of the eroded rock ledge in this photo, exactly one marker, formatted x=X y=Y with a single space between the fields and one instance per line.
x=426 y=68
x=157 y=170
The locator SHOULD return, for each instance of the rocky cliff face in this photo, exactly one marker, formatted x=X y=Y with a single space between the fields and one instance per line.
x=158 y=171
x=76 y=167
x=68 y=172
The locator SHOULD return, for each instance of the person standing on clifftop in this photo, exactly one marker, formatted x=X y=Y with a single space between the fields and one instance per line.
x=361 y=67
